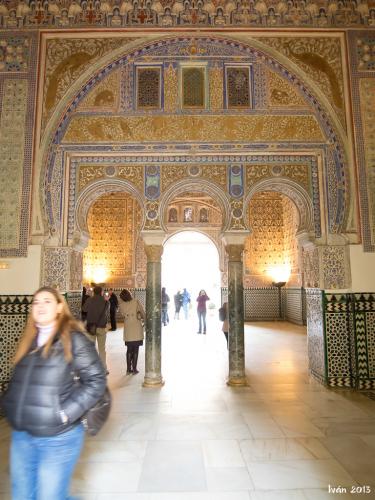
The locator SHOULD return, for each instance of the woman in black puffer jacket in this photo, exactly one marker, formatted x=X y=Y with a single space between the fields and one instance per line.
x=57 y=377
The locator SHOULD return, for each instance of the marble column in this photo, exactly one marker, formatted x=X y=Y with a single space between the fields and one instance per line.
x=153 y=377
x=236 y=343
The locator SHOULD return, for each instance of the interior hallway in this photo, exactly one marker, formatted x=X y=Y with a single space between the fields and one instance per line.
x=285 y=437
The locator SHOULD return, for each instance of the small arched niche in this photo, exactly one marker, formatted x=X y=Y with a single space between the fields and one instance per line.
x=114 y=222
x=272 y=251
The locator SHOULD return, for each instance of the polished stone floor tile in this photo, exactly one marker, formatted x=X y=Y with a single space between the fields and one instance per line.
x=222 y=453
x=173 y=466
x=297 y=474
x=228 y=479
x=282 y=437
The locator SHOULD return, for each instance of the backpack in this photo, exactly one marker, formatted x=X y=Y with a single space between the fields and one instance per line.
x=222 y=313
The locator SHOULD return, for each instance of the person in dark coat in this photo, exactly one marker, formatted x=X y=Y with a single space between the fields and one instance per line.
x=44 y=403
x=85 y=296
x=177 y=304
x=113 y=307
x=96 y=308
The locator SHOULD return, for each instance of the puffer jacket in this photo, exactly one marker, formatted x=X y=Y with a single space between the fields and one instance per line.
x=41 y=388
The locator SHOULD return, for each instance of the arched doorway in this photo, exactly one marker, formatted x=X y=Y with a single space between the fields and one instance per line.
x=191 y=260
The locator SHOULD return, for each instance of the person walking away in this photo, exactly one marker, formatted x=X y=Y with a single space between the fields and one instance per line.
x=96 y=309
x=44 y=403
x=134 y=319
x=177 y=304
x=85 y=296
x=164 y=307
x=113 y=307
x=225 y=327
x=202 y=310
x=186 y=302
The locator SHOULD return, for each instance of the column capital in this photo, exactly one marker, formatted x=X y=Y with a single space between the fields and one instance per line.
x=234 y=252
x=153 y=237
x=235 y=237
x=153 y=252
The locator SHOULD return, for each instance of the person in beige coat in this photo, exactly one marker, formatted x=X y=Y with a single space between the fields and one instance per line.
x=134 y=318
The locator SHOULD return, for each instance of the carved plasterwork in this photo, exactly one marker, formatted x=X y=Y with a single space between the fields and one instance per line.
x=310 y=260
x=105 y=14
x=14 y=94
x=83 y=129
x=105 y=95
x=55 y=270
x=131 y=173
x=170 y=89
x=79 y=208
x=320 y=59
x=89 y=173
x=367 y=93
x=66 y=60
x=152 y=221
x=265 y=246
x=76 y=270
x=299 y=173
x=334 y=264
x=216 y=88
x=281 y=94
x=237 y=215
x=113 y=224
x=291 y=248
x=172 y=173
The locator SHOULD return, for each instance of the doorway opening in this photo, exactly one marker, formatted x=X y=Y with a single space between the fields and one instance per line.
x=191 y=260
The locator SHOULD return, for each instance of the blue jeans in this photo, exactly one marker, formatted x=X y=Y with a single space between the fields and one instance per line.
x=202 y=321
x=164 y=316
x=185 y=307
x=41 y=467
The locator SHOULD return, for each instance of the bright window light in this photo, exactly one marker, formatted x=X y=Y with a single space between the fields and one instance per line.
x=190 y=260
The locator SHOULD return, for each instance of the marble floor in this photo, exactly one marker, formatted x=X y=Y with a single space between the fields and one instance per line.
x=284 y=437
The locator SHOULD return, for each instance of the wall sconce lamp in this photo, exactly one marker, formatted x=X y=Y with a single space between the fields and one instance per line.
x=4 y=265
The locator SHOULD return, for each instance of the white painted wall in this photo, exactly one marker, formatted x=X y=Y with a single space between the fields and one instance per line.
x=363 y=269
x=23 y=275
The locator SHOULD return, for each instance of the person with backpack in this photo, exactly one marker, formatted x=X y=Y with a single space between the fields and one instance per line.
x=224 y=317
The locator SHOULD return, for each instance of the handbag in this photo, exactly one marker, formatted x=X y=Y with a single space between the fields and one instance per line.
x=94 y=419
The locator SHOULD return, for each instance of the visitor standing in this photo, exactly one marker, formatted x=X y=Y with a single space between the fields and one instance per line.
x=134 y=318
x=177 y=304
x=44 y=403
x=96 y=308
x=113 y=308
x=202 y=310
x=186 y=302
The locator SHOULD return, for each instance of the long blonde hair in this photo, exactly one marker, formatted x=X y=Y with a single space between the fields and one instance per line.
x=65 y=324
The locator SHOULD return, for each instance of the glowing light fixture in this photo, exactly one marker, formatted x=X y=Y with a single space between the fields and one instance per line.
x=280 y=273
x=96 y=274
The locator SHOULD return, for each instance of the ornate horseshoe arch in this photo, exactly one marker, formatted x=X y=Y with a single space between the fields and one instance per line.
x=294 y=192
x=65 y=109
x=198 y=185
x=90 y=194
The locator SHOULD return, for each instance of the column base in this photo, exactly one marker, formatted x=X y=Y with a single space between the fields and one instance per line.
x=153 y=382
x=237 y=381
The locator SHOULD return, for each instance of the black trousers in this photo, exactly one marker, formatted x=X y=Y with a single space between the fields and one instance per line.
x=112 y=314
